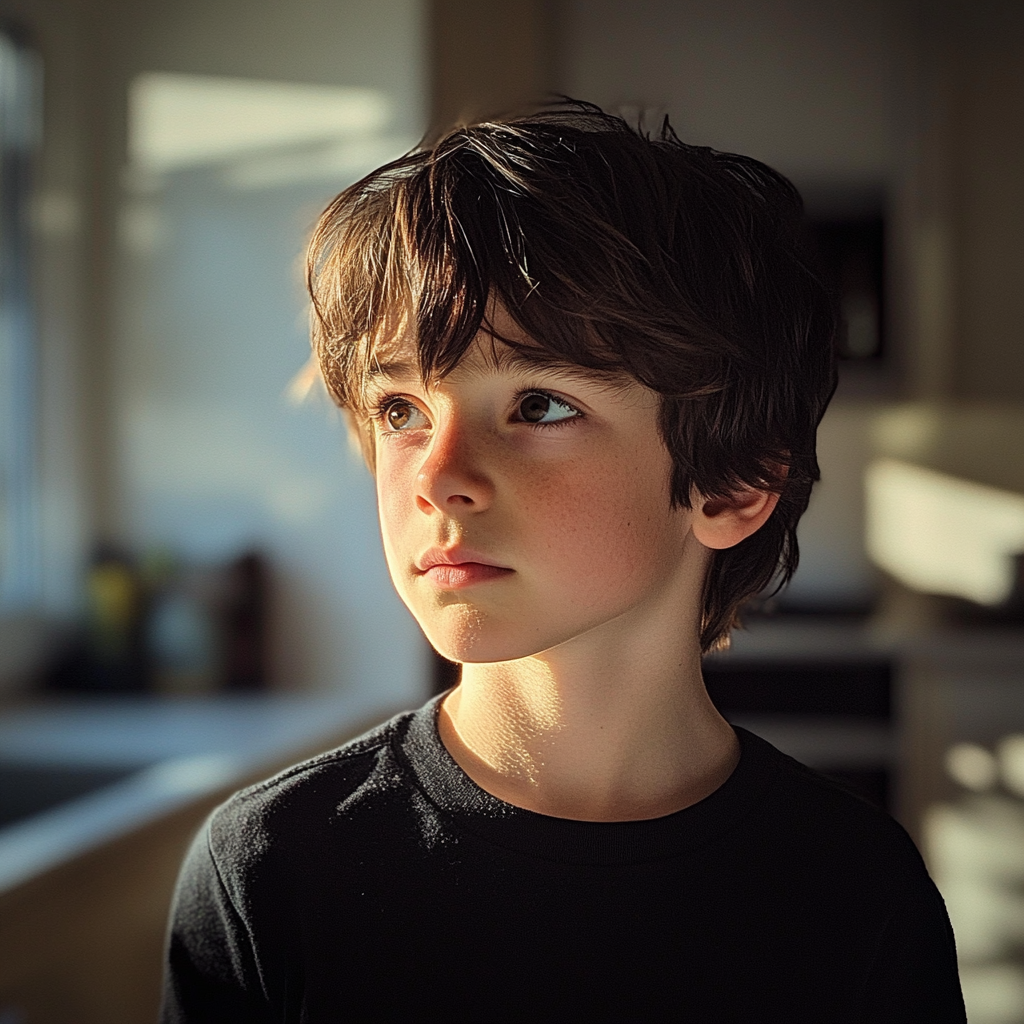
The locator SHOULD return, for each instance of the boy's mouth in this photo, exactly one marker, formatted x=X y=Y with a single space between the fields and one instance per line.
x=454 y=577
x=457 y=568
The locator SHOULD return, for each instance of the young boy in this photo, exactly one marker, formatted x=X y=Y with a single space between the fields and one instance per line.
x=586 y=368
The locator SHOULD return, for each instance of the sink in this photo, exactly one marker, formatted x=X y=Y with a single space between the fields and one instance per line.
x=27 y=789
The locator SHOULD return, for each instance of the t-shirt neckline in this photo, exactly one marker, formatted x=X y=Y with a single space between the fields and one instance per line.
x=443 y=782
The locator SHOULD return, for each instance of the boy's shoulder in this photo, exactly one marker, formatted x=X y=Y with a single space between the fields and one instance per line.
x=393 y=787
x=358 y=779
x=815 y=820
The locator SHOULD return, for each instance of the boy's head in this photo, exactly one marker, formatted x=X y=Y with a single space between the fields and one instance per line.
x=574 y=240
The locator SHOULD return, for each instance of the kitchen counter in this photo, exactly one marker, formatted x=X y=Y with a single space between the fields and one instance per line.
x=812 y=638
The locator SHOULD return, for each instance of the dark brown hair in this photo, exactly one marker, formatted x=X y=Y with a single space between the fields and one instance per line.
x=678 y=265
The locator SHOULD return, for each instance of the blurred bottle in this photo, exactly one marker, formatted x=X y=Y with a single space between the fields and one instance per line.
x=182 y=639
x=114 y=599
x=244 y=623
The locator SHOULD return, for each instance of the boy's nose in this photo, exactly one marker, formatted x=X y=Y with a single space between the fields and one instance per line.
x=452 y=478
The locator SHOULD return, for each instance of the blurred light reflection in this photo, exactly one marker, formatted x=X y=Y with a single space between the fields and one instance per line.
x=943 y=535
x=180 y=120
x=972 y=766
x=975 y=847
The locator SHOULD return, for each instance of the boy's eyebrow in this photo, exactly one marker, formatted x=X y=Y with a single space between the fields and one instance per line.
x=503 y=359
x=510 y=358
x=506 y=359
x=392 y=370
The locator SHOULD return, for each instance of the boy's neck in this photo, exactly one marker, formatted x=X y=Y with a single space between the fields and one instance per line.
x=610 y=727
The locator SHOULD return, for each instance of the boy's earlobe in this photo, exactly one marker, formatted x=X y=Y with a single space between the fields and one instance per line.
x=722 y=522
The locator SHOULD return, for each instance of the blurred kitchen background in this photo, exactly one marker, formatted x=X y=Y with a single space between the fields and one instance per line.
x=192 y=592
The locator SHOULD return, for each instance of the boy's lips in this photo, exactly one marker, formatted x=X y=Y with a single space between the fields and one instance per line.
x=457 y=568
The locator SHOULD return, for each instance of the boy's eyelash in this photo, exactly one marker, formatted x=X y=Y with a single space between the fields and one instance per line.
x=379 y=406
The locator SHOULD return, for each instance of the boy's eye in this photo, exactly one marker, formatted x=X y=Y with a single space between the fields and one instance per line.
x=403 y=416
x=537 y=407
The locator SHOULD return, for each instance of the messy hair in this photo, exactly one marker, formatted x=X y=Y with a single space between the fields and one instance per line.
x=614 y=250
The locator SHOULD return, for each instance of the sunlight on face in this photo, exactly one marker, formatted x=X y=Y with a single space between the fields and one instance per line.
x=521 y=506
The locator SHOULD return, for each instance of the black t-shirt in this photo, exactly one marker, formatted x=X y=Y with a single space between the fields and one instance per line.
x=377 y=882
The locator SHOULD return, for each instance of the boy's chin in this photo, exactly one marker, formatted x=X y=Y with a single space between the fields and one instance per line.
x=480 y=645
x=482 y=654
x=475 y=635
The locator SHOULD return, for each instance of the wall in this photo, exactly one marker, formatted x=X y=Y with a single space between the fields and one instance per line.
x=807 y=87
x=986 y=147
x=488 y=59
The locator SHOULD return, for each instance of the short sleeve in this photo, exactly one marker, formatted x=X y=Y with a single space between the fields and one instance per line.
x=210 y=972
x=914 y=977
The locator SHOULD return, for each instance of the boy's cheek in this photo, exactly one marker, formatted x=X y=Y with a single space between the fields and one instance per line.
x=592 y=539
x=394 y=506
x=395 y=482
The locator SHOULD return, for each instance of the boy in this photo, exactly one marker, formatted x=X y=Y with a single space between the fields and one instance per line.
x=586 y=368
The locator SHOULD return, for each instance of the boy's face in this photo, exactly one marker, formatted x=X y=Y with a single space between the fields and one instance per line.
x=522 y=506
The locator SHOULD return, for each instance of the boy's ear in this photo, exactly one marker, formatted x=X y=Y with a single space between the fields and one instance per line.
x=723 y=522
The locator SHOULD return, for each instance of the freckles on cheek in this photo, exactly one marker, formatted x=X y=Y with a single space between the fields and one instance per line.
x=592 y=511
